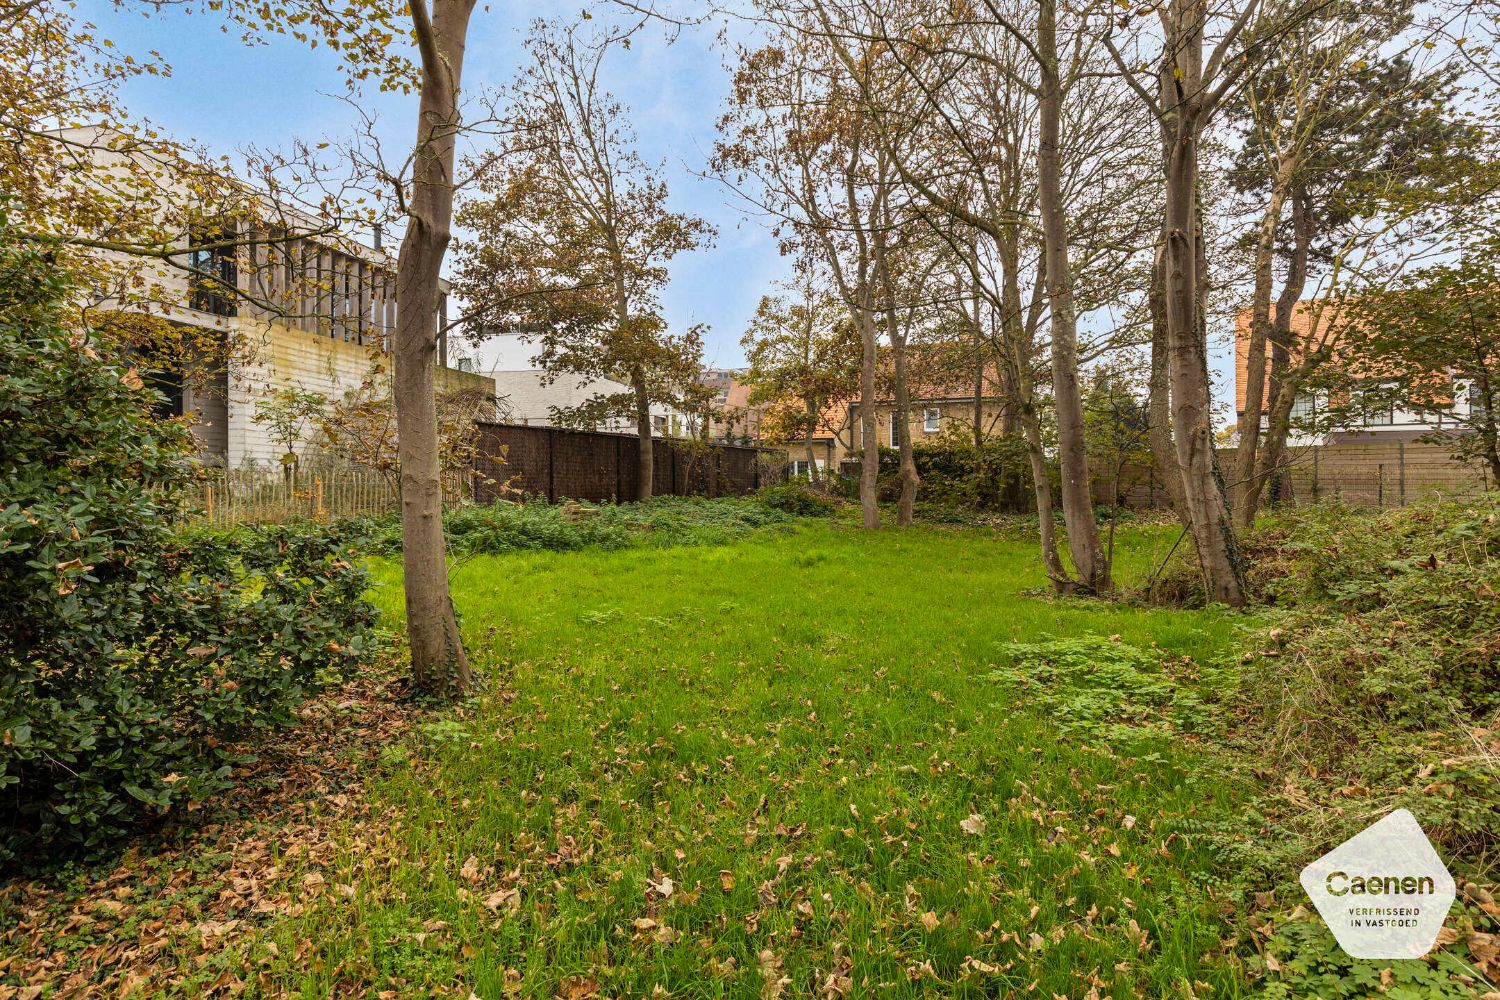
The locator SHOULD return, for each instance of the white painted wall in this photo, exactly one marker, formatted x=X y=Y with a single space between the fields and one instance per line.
x=523 y=399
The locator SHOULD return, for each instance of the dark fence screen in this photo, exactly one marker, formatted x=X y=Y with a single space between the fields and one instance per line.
x=559 y=463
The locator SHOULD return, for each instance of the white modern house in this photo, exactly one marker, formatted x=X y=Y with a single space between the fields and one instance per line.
x=312 y=312
x=527 y=394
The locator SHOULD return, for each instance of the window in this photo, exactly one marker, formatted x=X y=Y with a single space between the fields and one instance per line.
x=1478 y=411
x=169 y=384
x=1373 y=406
x=213 y=278
x=346 y=307
x=289 y=275
x=800 y=468
x=932 y=420
x=659 y=423
x=1381 y=414
x=1304 y=409
x=895 y=440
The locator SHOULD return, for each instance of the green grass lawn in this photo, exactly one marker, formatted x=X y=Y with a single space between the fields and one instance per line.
x=777 y=767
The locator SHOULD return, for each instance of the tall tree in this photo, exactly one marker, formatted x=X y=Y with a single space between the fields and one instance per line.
x=802 y=351
x=793 y=131
x=1349 y=155
x=952 y=69
x=572 y=236
x=439 y=662
x=1182 y=83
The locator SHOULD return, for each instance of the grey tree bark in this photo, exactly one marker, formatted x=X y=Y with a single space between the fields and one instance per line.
x=439 y=663
x=869 y=459
x=812 y=459
x=1192 y=406
x=1016 y=344
x=645 y=463
x=1245 y=488
x=1159 y=433
x=1072 y=455
x=910 y=481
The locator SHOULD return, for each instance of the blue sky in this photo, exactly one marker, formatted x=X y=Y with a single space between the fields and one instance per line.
x=226 y=95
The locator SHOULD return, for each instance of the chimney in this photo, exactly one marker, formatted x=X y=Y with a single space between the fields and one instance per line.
x=379 y=236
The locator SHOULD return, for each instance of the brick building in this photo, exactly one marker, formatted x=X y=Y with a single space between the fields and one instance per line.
x=1315 y=326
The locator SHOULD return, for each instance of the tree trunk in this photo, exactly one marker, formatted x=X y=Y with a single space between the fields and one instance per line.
x=1284 y=384
x=1192 y=405
x=902 y=394
x=909 y=478
x=644 y=449
x=1159 y=433
x=869 y=461
x=1041 y=483
x=439 y=664
x=1072 y=452
x=1244 y=489
x=812 y=459
x=1180 y=87
x=1017 y=343
x=979 y=360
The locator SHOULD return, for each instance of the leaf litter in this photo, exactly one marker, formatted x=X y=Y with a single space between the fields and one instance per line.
x=177 y=909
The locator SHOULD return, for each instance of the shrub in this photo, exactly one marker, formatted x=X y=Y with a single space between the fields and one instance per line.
x=795 y=497
x=956 y=475
x=994 y=476
x=133 y=658
x=661 y=522
x=1370 y=683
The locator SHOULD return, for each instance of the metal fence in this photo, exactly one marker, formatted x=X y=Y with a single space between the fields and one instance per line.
x=557 y=463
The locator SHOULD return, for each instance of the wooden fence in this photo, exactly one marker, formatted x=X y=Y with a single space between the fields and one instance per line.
x=556 y=463
x=509 y=460
x=250 y=496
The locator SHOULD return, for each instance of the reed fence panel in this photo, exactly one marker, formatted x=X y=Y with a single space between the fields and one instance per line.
x=558 y=463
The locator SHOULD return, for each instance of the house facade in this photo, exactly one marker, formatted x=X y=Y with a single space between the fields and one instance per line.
x=940 y=401
x=333 y=342
x=282 y=303
x=527 y=394
x=1314 y=325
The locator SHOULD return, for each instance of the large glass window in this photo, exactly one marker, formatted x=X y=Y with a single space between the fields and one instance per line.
x=1478 y=405
x=213 y=276
x=169 y=384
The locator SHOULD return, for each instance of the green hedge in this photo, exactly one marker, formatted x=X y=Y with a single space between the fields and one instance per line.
x=996 y=476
